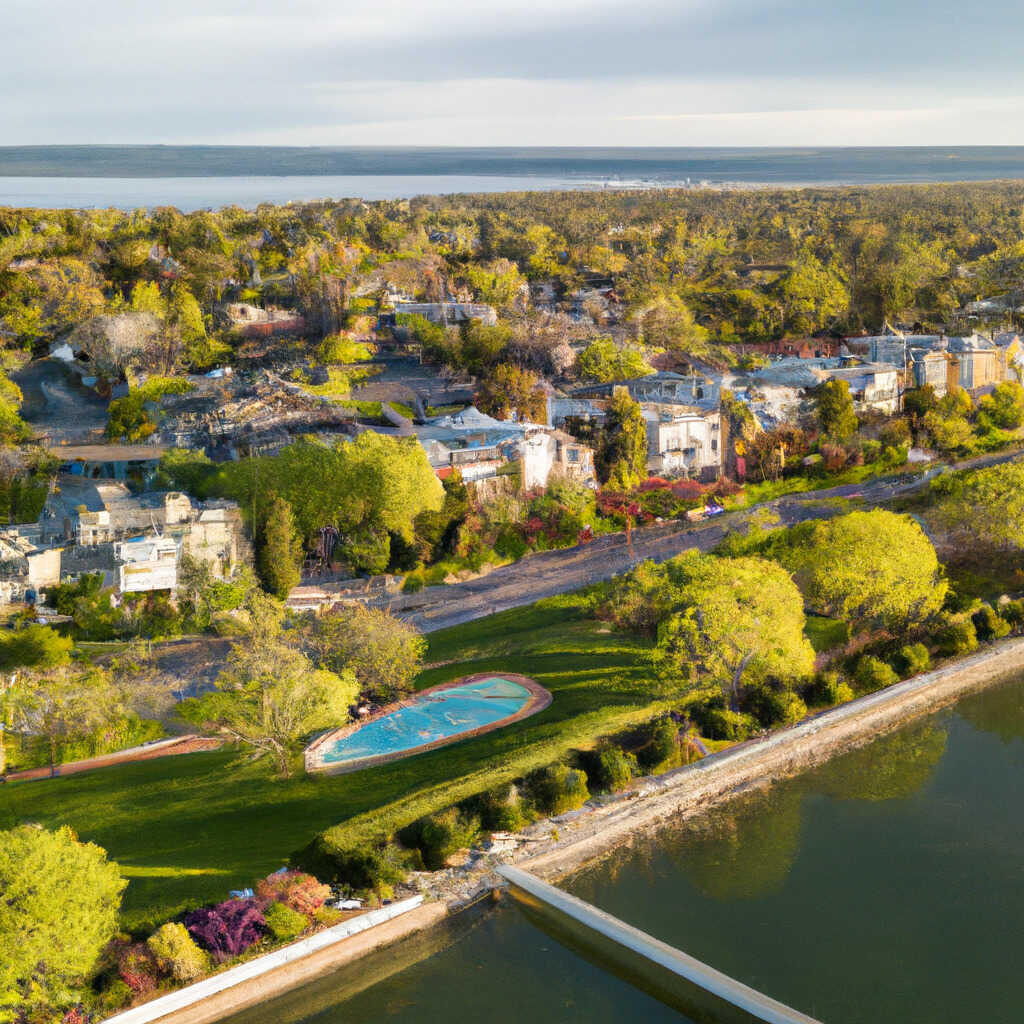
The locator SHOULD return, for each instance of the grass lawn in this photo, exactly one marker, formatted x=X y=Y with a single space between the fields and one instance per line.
x=187 y=829
x=825 y=634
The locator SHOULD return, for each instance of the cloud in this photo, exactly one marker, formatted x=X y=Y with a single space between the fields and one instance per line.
x=513 y=72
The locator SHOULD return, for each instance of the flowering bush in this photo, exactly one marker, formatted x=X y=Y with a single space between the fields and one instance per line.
x=228 y=929
x=295 y=889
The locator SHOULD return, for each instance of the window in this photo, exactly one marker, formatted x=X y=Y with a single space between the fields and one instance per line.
x=572 y=455
x=714 y=444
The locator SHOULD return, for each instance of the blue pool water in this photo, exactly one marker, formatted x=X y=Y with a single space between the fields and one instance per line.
x=432 y=717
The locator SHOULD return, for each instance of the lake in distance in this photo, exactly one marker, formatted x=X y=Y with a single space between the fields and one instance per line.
x=884 y=886
x=209 y=177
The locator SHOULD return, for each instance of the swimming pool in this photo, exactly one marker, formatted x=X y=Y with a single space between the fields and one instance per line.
x=435 y=717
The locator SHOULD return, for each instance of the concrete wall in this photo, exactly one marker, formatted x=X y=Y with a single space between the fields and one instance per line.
x=238 y=987
x=668 y=973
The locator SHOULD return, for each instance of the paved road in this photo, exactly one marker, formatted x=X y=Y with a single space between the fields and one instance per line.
x=558 y=572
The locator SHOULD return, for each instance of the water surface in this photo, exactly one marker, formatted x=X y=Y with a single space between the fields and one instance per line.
x=885 y=886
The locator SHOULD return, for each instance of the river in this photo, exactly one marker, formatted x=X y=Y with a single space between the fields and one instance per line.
x=886 y=885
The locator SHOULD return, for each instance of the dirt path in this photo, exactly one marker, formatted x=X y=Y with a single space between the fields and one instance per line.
x=549 y=573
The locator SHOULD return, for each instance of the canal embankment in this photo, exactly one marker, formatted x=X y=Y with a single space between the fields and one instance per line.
x=580 y=837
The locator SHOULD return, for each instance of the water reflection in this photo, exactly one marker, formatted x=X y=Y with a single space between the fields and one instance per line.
x=999 y=712
x=893 y=767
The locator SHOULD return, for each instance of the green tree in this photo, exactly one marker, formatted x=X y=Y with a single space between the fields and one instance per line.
x=384 y=653
x=35 y=646
x=836 y=418
x=271 y=695
x=872 y=569
x=1004 y=407
x=729 y=623
x=981 y=507
x=604 y=361
x=59 y=909
x=623 y=447
x=62 y=704
x=280 y=550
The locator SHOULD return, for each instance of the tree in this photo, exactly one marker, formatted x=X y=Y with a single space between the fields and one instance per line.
x=836 y=418
x=728 y=623
x=281 y=550
x=1004 y=407
x=384 y=653
x=270 y=696
x=62 y=704
x=981 y=507
x=602 y=360
x=623 y=447
x=507 y=390
x=60 y=906
x=35 y=646
x=876 y=570
x=668 y=323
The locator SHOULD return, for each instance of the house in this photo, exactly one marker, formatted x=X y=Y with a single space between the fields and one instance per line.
x=544 y=452
x=255 y=322
x=480 y=447
x=449 y=313
x=980 y=361
x=931 y=368
x=663 y=387
x=147 y=563
x=26 y=565
x=90 y=517
x=1009 y=344
x=683 y=442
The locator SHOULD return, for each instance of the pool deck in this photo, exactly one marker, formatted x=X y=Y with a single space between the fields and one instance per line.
x=314 y=753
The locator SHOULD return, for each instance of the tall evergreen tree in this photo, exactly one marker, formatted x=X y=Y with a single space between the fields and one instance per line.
x=281 y=552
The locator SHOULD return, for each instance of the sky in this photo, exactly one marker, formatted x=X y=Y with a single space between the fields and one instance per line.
x=513 y=72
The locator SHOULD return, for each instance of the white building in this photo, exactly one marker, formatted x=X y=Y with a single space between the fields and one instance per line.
x=147 y=563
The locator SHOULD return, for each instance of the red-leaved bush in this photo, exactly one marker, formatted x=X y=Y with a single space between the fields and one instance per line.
x=296 y=890
x=137 y=967
x=76 y=1015
x=228 y=929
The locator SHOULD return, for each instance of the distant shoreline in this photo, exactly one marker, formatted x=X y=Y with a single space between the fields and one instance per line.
x=750 y=165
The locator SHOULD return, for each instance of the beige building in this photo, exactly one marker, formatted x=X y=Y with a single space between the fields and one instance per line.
x=26 y=568
x=90 y=514
x=683 y=441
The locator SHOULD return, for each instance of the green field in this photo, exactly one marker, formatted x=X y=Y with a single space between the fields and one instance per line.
x=187 y=829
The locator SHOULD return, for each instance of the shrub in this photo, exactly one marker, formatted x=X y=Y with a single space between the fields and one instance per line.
x=501 y=809
x=719 y=723
x=1013 y=612
x=988 y=625
x=361 y=868
x=558 y=788
x=913 y=659
x=873 y=674
x=176 y=953
x=956 y=637
x=609 y=768
x=439 y=835
x=327 y=916
x=137 y=968
x=660 y=748
x=295 y=889
x=228 y=929
x=829 y=688
x=283 y=923
x=774 y=707
x=115 y=995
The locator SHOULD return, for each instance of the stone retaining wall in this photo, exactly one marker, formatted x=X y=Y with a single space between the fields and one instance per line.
x=687 y=791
